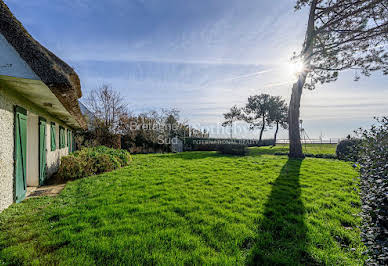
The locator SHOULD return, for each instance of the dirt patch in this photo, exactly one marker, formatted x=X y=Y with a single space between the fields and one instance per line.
x=51 y=190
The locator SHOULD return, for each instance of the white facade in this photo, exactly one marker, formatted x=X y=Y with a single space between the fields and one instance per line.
x=7 y=183
x=38 y=91
x=6 y=153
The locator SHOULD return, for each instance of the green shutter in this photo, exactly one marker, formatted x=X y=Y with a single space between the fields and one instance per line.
x=52 y=134
x=42 y=150
x=60 y=137
x=20 y=153
x=73 y=142
x=62 y=140
x=69 y=140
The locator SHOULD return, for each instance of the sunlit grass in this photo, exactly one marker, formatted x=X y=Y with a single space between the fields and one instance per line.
x=307 y=148
x=194 y=208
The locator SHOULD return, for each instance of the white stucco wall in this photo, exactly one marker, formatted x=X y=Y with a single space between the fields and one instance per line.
x=54 y=157
x=7 y=103
x=11 y=64
x=6 y=152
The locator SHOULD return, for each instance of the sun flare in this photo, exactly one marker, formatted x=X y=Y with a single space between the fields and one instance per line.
x=296 y=67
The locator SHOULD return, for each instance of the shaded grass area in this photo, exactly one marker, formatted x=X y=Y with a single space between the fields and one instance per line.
x=307 y=148
x=194 y=208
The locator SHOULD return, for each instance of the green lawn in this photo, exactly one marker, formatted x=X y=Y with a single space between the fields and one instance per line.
x=194 y=208
x=307 y=148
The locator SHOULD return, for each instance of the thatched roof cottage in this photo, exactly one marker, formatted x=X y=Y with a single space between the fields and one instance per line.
x=39 y=110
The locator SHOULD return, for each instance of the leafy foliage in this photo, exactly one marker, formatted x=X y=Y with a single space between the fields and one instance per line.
x=278 y=111
x=257 y=111
x=92 y=161
x=347 y=149
x=346 y=34
x=233 y=115
x=373 y=159
x=278 y=114
x=261 y=111
x=340 y=35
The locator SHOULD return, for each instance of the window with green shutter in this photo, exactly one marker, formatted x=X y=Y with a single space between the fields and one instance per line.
x=62 y=138
x=52 y=136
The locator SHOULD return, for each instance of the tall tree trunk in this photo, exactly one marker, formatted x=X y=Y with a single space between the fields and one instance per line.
x=262 y=130
x=297 y=88
x=293 y=119
x=231 y=130
x=276 y=133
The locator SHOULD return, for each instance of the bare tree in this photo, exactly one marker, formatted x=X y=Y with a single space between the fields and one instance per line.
x=107 y=106
x=341 y=35
x=232 y=116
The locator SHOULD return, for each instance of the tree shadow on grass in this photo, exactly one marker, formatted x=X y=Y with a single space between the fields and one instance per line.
x=282 y=232
x=268 y=150
x=194 y=155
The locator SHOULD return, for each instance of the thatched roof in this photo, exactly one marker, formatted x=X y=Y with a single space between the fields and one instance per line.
x=56 y=74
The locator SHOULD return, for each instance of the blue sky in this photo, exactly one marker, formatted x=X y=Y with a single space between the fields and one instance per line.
x=200 y=56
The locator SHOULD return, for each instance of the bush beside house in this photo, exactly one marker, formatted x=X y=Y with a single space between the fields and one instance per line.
x=92 y=161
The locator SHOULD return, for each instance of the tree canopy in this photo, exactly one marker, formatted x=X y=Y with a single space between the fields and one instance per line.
x=341 y=35
x=230 y=117
x=347 y=34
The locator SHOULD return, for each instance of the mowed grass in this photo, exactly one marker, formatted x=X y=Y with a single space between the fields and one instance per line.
x=194 y=208
x=307 y=148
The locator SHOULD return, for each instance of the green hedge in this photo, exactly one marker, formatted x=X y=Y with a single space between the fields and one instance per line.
x=348 y=149
x=233 y=149
x=92 y=161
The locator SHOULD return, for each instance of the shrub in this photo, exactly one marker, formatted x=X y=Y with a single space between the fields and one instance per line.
x=348 y=149
x=122 y=156
x=234 y=149
x=373 y=159
x=92 y=161
x=71 y=168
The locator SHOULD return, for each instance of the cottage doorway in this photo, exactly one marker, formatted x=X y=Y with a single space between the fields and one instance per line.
x=33 y=154
x=20 y=138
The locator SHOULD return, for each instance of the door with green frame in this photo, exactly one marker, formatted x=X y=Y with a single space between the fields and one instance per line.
x=20 y=138
x=42 y=150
